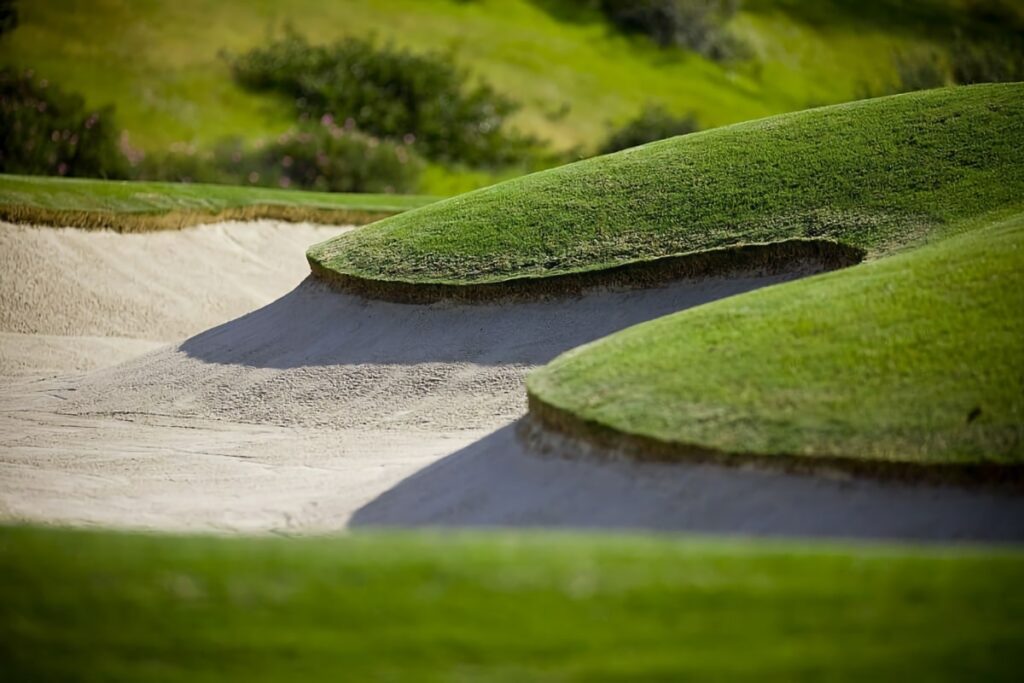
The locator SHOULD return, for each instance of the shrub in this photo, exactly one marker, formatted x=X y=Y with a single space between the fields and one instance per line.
x=989 y=61
x=8 y=16
x=388 y=92
x=920 y=70
x=970 y=60
x=697 y=25
x=653 y=123
x=320 y=156
x=47 y=131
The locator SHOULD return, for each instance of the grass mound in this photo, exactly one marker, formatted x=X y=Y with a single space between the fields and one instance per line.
x=139 y=207
x=875 y=175
x=507 y=607
x=911 y=364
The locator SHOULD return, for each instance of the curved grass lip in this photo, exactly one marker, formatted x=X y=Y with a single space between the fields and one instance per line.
x=178 y=219
x=143 y=206
x=640 y=447
x=767 y=258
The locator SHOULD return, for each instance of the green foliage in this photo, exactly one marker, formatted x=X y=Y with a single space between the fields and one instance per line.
x=653 y=123
x=422 y=99
x=46 y=130
x=877 y=174
x=501 y=607
x=319 y=156
x=997 y=60
x=8 y=16
x=697 y=25
x=914 y=358
x=920 y=70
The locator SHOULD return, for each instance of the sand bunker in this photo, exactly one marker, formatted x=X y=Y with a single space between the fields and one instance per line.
x=97 y=295
x=322 y=410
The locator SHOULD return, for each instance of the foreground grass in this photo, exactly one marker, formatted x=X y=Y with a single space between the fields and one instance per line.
x=912 y=359
x=107 y=606
x=134 y=206
x=877 y=175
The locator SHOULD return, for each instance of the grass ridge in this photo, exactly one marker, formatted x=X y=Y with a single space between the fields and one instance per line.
x=131 y=206
x=748 y=259
x=906 y=367
x=178 y=220
x=878 y=175
x=614 y=441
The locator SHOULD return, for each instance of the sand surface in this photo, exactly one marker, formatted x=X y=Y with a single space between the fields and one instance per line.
x=196 y=380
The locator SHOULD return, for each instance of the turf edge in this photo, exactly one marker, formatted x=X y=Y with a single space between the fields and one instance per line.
x=178 y=219
x=544 y=419
x=766 y=259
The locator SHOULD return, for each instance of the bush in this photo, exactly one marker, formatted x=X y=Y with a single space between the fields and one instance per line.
x=978 y=60
x=8 y=16
x=697 y=25
x=653 y=123
x=390 y=93
x=321 y=156
x=990 y=61
x=920 y=70
x=47 y=131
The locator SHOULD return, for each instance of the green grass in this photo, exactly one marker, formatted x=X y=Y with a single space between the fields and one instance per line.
x=158 y=63
x=877 y=174
x=132 y=206
x=917 y=358
x=107 y=606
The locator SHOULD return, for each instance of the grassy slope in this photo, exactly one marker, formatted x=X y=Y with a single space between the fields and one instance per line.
x=875 y=174
x=884 y=361
x=157 y=61
x=86 y=605
x=129 y=205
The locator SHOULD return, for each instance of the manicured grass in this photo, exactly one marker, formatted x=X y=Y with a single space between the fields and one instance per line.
x=877 y=174
x=916 y=359
x=107 y=606
x=135 y=206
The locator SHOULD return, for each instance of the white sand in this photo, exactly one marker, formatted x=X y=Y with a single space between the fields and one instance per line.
x=322 y=410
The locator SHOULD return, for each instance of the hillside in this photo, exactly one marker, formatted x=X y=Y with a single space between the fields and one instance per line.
x=574 y=75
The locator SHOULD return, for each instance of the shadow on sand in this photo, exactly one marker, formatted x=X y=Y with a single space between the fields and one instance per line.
x=315 y=326
x=500 y=482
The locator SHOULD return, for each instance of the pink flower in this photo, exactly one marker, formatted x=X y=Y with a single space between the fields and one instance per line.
x=327 y=120
x=62 y=168
x=285 y=181
x=254 y=177
x=408 y=138
x=286 y=161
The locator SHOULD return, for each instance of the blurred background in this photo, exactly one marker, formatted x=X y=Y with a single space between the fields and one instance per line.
x=443 y=96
